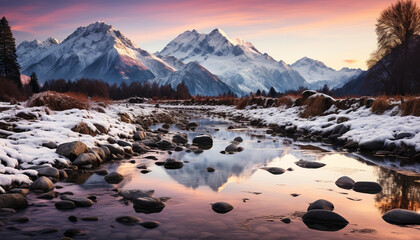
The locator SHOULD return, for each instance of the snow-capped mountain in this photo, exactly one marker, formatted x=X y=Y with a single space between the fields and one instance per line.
x=237 y=63
x=96 y=51
x=209 y=84
x=317 y=74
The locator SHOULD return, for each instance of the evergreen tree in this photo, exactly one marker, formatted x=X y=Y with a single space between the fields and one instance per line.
x=272 y=92
x=9 y=67
x=258 y=92
x=34 y=83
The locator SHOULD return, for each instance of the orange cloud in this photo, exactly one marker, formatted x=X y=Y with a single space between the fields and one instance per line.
x=350 y=61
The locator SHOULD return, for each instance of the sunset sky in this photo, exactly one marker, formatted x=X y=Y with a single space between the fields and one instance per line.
x=341 y=33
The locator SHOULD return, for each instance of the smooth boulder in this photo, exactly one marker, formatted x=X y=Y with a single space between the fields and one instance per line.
x=13 y=200
x=78 y=201
x=309 y=164
x=65 y=205
x=148 y=205
x=324 y=220
x=43 y=184
x=128 y=220
x=367 y=187
x=48 y=172
x=114 y=178
x=402 y=217
x=231 y=148
x=180 y=139
x=85 y=159
x=72 y=150
x=204 y=141
x=345 y=182
x=221 y=207
x=173 y=164
x=274 y=170
x=321 y=204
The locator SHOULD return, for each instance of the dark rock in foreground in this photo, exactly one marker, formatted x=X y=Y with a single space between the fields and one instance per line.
x=324 y=220
x=275 y=170
x=367 y=187
x=221 y=207
x=309 y=164
x=173 y=164
x=402 y=217
x=148 y=205
x=150 y=224
x=43 y=184
x=13 y=200
x=72 y=150
x=204 y=141
x=321 y=204
x=65 y=205
x=345 y=182
x=128 y=220
x=114 y=178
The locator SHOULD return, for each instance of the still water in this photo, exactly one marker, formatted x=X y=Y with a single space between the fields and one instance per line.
x=260 y=199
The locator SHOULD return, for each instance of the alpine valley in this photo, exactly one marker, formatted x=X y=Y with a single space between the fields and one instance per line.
x=202 y=61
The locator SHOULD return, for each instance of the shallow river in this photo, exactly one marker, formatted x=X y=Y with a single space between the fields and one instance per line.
x=260 y=199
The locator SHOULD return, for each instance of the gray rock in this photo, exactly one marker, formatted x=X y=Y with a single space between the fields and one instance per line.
x=139 y=135
x=402 y=135
x=101 y=172
x=134 y=194
x=402 y=217
x=62 y=174
x=321 y=204
x=65 y=205
x=106 y=151
x=140 y=148
x=72 y=150
x=124 y=143
x=78 y=201
x=324 y=220
x=48 y=172
x=100 y=152
x=111 y=140
x=85 y=159
x=23 y=191
x=180 y=139
x=48 y=195
x=164 y=145
x=173 y=164
x=114 y=178
x=345 y=182
x=114 y=149
x=367 y=187
x=238 y=139
x=148 y=205
x=50 y=145
x=371 y=145
x=128 y=220
x=204 y=141
x=150 y=224
x=43 y=184
x=221 y=207
x=231 y=148
x=309 y=164
x=274 y=170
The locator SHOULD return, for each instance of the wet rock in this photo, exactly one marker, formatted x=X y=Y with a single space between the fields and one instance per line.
x=286 y=220
x=321 y=204
x=134 y=194
x=367 y=187
x=114 y=178
x=165 y=145
x=128 y=220
x=372 y=145
x=50 y=145
x=402 y=217
x=106 y=151
x=65 y=205
x=100 y=152
x=139 y=135
x=173 y=164
x=124 y=143
x=101 y=172
x=221 y=207
x=162 y=130
x=274 y=170
x=180 y=139
x=90 y=219
x=72 y=232
x=204 y=141
x=192 y=125
x=111 y=140
x=23 y=191
x=345 y=182
x=85 y=159
x=198 y=151
x=72 y=150
x=78 y=201
x=151 y=157
x=239 y=149
x=145 y=171
x=72 y=218
x=19 y=219
x=62 y=174
x=178 y=149
x=140 y=148
x=48 y=195
x=160 y=163
x=114 y=149
x=43 y=184
x=48 y=172
x=150 y=224
x=6 y=212
x=35 y=231
x=148 y=205
x=295 y=194
x=309 y=164
x=210 y=169
x=290 y=169
x=238 y=139
x=402 y=135
x=231 y=148
x=324 y=220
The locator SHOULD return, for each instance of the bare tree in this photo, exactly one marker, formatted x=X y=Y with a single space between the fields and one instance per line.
x=395 y=27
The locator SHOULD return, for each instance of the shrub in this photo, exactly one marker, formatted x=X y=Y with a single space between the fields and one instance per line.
x=284 y=101
x=242 y=103
x=411 y=106
x=9 y=90
x=316 y=106
x=59 y=101
x=380 y=105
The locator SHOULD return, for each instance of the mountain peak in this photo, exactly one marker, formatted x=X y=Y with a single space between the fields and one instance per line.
x=50 y=41
x=218 y=31
x=309 y=61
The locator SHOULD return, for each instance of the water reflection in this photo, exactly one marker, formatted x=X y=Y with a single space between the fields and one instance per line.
x=399 y=191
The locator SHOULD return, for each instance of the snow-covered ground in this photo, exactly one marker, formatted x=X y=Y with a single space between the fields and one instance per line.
x=364 y=126
x=23 y=149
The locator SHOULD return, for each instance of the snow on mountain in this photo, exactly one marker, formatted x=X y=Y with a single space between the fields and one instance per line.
x=96 y=51
x=317 y=74
x=209 y=84
x=236 y=62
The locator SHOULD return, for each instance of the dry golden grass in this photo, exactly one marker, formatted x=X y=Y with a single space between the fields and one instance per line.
x=411 y=106
x=59 y=101
x=284 y=101
x=380 y=105
x=242 y=103
x=316 y=106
